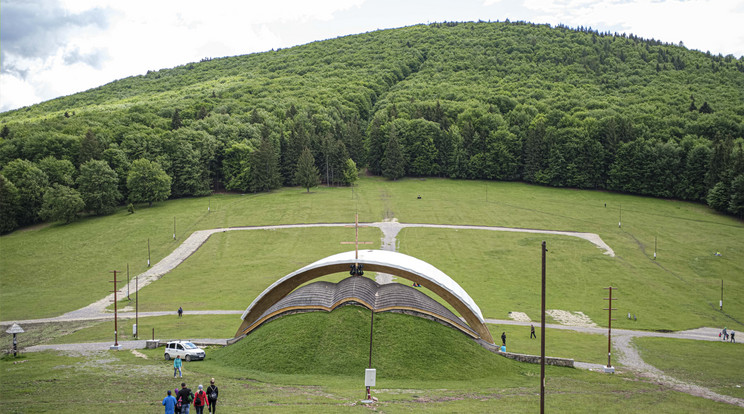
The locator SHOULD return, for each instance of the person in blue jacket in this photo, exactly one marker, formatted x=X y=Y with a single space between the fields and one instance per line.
x=170 y=403
x=177 y=367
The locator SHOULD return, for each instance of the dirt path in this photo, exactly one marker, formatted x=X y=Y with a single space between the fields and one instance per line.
x=629 y=358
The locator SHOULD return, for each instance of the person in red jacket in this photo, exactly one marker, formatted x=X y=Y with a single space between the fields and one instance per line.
x=200 y=400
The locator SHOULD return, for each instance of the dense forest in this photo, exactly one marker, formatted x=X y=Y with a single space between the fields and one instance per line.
x=513 y=101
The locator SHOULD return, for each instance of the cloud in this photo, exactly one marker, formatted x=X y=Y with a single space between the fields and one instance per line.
x=37 y=28
x=94 y=59
x=700 y=24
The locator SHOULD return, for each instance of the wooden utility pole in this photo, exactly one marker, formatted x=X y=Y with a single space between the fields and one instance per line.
x=542 y=335
x=609 y=310
x=136 y=306
x=128 y=282
x=116 y=314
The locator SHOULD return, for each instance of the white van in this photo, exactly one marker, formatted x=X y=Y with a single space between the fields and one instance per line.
x=184 y=349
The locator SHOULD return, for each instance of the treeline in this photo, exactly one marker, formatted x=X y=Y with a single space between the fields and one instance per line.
x=496 y=101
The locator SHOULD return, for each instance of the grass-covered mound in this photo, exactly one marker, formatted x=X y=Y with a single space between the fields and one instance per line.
x=337 y=343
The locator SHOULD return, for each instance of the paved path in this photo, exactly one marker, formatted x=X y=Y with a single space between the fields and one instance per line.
x=390 y=229
x=629 y=358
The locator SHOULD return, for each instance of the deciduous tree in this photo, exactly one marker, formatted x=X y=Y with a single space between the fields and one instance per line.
x=98 y=185
x=61 y=203
x=147 y=182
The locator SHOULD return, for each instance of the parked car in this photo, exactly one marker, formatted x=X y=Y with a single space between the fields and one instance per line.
x=184 y=349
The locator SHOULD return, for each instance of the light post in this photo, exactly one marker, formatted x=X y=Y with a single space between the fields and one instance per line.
x=15 y=329
x=116 y=345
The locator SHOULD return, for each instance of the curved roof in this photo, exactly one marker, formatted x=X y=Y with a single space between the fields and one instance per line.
x=395 y=263
x=389 y=297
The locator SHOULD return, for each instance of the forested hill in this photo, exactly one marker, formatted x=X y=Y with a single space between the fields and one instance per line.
x=500 y=101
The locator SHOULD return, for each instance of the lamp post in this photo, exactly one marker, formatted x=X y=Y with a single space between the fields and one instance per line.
x=15 y=329
x=116 y=345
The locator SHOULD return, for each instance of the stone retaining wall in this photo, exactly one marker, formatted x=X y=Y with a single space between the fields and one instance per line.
x=532 y=359
x=535 y=359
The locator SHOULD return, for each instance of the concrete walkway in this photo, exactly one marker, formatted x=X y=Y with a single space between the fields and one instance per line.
x=390 y=229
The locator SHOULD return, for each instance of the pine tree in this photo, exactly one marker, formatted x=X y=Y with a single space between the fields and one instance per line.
x=265 y=168
x=90 y=148
x=307 y=174
x=393 y=164
x=176 y=120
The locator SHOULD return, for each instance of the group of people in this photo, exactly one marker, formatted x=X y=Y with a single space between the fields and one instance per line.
x=725 y=334
x=180 y=403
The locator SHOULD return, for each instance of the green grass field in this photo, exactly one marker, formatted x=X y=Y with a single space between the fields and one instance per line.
x=48 y=270
x=51 y=270
x=714 y=365
x=314 y=363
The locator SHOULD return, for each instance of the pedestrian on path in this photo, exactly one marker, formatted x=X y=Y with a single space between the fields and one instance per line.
x=532 y=332
x=732 y=336
x=212 y=394
x=200 y=400
x=185 y=396
x=178 y=407
x=725 y=334
x=503 y=338
x=177 y=367
x=180 y=311
x=170 y=403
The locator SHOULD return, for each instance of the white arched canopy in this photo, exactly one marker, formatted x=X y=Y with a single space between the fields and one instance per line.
x=384 y=261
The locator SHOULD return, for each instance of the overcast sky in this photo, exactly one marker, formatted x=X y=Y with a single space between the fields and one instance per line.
x=51 y=48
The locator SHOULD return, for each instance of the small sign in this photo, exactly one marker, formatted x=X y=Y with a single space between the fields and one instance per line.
x=15 y=329
x=370 y=375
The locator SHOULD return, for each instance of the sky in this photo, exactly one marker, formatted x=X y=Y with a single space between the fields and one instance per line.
x=52 y=48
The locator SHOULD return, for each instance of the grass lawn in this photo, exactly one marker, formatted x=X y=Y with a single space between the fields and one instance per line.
x=49 y=270
x=44 y=382
x=232 y=268
x=166 y=328
x=314 y=362
x=580 y=347
x=714 y=365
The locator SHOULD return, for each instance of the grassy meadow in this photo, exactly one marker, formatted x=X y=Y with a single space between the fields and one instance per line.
x=48 y=270
x=314 y=362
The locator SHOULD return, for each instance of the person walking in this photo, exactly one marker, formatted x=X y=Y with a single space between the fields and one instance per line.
x=503 y=338
x=532 y=332
x=178 y=407
x=200 y=400
x=185 y=396
x=732 y=336
x=170 y=403
x=177 y=367
x=212 y=394
x=725 y=334
x=180 y=311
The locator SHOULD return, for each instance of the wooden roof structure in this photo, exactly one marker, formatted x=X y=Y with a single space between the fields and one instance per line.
x=389 y=297
x=394 y=263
